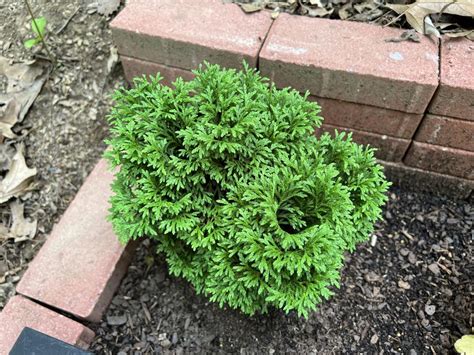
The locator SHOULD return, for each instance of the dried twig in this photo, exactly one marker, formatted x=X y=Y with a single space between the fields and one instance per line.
x=60 y=29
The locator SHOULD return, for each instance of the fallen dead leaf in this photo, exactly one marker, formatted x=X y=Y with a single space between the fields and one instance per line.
x=18 y=179
x=21 y=228
x=113 y=59
x=107 y=7
x=468 y=34
x=4 y=233
x=417 y=13
x=7 y=151
x=453 y=7
x=320 y=12
x=253 y=7
x=25 y=81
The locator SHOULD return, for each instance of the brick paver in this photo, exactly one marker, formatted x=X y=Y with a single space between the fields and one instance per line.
x=455 y=96
x=81 y=264
x=136 y=67
x=351 y=61
x=21 y=312
x=184 y=33
x=445 y=131
x=388 y=148
x=439 y=159
x=369 y=118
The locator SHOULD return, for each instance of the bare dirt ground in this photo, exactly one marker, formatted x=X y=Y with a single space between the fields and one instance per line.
x=64 y=130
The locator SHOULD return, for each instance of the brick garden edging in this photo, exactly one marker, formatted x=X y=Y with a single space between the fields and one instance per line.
x=74 y=275
x=21 y=312
x=412 y=101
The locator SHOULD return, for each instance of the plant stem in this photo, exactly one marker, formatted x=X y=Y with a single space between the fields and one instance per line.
x=38 y=31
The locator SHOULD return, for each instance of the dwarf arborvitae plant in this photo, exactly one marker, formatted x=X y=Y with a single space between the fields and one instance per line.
x=245 y=202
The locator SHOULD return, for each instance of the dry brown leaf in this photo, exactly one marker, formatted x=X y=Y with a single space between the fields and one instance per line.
x=453 y=7
x=344 y=11
x=25 y=81
x=318 y=3
x=4 y=233
x=18 y=179
x=107 y=7
x=319 y=12
x=21 y=228
x=253 y=7
x=430 y=28
x=113 y=59
x=469 y=34
x=417 y=13
x=6 y=155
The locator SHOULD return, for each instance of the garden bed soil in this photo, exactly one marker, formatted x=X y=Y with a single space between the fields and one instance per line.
x=64 y=130
x=408 y=290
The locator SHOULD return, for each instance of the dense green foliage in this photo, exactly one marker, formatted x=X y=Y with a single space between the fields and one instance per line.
x=245 y=202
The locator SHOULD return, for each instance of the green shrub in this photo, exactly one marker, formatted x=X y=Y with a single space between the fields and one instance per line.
x=245 y=202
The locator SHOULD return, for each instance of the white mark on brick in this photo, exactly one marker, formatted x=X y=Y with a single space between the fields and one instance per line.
x=432 y=56
x=244 y=42
x=414 y=98
x=326 y=79
x=436 y=131
x=396 y=56
x=286 y=49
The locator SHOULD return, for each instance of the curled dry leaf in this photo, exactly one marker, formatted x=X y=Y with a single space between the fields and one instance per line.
x=18 y=179
x=107 y=7
x=252 y=7
x=417 y=14
x=4 y=235
x=22 y=228
x=25 y=81
x=113 y=59
x=319 y=12
x=469 y=34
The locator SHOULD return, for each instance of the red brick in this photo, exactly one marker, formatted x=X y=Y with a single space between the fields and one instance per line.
x=21 y=312
x=388 y=148
x=443 y=160
x=369 y=118
x=448 y=132
x=81 y=264
x=427 y=181
x=184 y=33
x=455 y=96
x=351 y=61
x=136 y=67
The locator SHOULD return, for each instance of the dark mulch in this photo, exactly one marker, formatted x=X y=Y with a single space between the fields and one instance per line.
x=407 y=292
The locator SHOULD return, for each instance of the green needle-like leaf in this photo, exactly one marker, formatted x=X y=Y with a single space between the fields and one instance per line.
x=225 y=174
